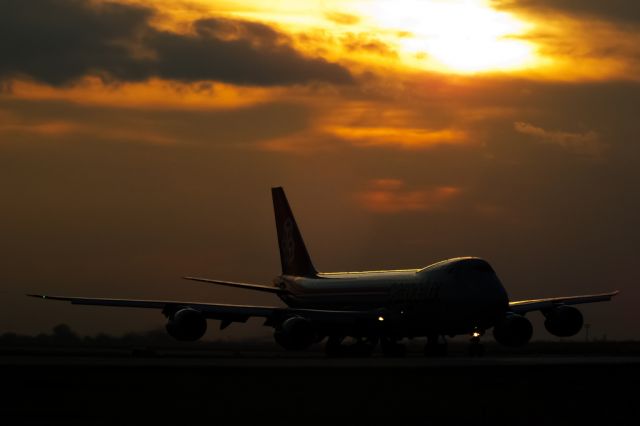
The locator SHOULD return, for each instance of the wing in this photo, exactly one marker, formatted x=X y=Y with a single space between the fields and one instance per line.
x=524 y=306
x=247 y=286
x=226 y=313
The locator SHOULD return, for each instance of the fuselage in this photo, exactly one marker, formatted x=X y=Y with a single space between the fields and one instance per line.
x=454 y=296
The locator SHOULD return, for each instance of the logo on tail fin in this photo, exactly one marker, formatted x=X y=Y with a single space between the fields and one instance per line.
x=294 y=257
x=287 y=243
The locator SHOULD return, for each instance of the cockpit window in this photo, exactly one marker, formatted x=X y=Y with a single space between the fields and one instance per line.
x=481 y=267
x=477 y=266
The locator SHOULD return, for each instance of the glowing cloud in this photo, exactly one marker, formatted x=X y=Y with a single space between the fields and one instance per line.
x=461 y=36
x=587 y=143
x=401 y=137
x=391 y=196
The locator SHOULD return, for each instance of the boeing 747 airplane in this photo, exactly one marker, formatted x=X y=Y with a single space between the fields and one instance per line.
x=460 y=296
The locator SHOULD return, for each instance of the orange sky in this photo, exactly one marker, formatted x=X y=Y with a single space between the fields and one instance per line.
x=139 y=140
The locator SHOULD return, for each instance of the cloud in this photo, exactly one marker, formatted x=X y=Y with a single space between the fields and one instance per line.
x=587 y=143
x=400 y=137
x=392 y=196
x=620 y=11
x=342 y=18
x=61 y=41
x=582 y=39
x=151 y=94
x=331 y=137
x=59 y=121
x=363 y=42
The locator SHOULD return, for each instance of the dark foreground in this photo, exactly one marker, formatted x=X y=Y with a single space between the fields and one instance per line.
x=272 y=389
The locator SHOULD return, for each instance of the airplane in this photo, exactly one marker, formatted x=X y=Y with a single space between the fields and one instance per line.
x=357 y=311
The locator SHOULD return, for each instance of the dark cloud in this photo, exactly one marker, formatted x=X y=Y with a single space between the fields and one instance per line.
x=621 y=11
x=246 y=53
x=367 y=43
x=59 y=41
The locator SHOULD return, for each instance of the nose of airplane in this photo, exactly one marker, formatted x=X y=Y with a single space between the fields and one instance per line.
x=481 y=283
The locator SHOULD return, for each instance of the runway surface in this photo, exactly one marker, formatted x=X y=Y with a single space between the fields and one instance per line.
x=268 y=360
x=271 y=388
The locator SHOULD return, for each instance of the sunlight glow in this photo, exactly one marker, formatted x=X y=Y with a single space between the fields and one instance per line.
x=457 y=35
x=452 y=36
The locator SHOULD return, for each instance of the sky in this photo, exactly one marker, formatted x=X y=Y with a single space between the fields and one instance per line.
x=139 y=141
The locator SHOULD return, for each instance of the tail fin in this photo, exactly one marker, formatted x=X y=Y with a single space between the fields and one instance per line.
x=294 y=257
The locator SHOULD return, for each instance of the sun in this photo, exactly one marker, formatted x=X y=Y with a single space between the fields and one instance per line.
x=460 y=36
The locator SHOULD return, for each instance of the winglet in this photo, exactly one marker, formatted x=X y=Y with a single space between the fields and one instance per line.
x=44 y=296
x=39 y=296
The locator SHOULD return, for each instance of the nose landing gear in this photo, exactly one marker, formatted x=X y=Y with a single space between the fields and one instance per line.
x=476 y=349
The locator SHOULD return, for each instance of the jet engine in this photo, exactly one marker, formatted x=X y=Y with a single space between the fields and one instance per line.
x=563 y=321
x=187 y=324
x=515 y=330
x=295 y=334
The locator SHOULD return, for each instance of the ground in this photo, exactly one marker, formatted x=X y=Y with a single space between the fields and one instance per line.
x=259 y=387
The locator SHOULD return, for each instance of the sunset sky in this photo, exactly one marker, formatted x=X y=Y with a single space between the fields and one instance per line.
x=139 y=141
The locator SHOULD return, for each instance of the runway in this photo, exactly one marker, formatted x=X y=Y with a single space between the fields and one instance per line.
x=278 y=360
x=271 y=388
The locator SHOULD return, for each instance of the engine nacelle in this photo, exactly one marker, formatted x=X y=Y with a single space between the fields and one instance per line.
x=295 y=334
x=563 y=321
x=187 y=325
x=515 y=330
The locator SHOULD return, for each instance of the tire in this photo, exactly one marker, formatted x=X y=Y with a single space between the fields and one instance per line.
x=393 y=349
x=476 y=350
x=334 y=347
x=435 y=350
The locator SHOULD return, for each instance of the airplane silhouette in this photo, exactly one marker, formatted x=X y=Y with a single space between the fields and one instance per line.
x=459 y=296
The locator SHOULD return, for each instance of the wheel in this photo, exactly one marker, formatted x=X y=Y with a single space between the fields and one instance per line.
x=436 y=347
x=334 y=348
x=476 y=350
x=437 y=350
x=392 y=349
x=363 y=347
x=480 y=350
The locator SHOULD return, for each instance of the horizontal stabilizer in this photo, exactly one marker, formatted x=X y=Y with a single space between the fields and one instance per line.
x=246 y=286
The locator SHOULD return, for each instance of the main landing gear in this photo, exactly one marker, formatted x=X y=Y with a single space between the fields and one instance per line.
x=436 y=346
x=361 y=347
x=391 y=348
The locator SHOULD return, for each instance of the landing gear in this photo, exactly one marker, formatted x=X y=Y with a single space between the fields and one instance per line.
x=361 y=347
x=364 y=346
x=436 y=346
x=476 y=349
x=392 y=349
x=334 y=348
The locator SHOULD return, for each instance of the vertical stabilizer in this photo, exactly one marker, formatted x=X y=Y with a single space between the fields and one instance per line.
x=294 y=257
